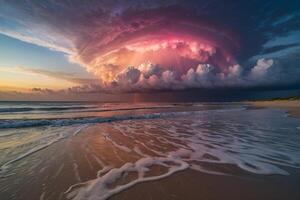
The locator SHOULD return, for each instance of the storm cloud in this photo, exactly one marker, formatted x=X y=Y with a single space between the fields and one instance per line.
x=165 y=45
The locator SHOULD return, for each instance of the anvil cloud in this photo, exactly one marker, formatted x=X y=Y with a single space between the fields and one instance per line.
x=166 y=45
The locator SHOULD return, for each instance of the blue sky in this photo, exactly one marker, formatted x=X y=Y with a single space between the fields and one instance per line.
x=46 y=47
x=17 y=53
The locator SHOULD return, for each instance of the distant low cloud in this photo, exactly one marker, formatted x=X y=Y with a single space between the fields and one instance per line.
x=149 y=78
x=261 y=67
x=43 y=90
x=70 y=77
x=153 y=77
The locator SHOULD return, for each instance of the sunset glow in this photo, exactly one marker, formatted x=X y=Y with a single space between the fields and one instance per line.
x=149 y=99
x=136 y=47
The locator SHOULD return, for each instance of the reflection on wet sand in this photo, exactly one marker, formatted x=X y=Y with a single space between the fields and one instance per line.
x=99 y=161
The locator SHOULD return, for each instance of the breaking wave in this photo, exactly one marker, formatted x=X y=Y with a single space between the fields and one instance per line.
x=28 y=109
x=25 y=123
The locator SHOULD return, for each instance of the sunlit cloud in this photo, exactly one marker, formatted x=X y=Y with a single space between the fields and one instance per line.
x=137 y=46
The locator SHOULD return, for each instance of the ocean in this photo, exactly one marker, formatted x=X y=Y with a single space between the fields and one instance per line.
x=92 y=150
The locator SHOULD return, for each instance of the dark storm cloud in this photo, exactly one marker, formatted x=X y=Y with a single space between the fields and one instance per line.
x=248 y=43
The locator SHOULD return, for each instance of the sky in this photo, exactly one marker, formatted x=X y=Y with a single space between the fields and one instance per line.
x=113 y=50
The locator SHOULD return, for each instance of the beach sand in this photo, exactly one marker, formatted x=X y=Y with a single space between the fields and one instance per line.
x=192 y=184
x=291 y=106
x=78 y=158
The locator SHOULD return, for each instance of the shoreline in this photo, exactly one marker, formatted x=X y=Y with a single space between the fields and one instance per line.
x=292 y=107
x=191 y=184
x=97 y=159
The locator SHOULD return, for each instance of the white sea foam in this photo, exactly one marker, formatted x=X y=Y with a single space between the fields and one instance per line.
x=43 y=142
x=198 y=141
x=254 y=141
x=59 y=170
x=25 y=123
x=104 y=171
x=80 y=129
x=76 y=172
x=99 y=188
x=139 y=152
x=31 y=151
x=121 y=147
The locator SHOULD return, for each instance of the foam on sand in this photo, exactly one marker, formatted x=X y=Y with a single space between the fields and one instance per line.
x=43 y=142
x=131 y=149
x=99 y=188
x=196 y=142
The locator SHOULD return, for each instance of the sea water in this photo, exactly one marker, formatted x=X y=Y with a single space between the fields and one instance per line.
x=174 y=137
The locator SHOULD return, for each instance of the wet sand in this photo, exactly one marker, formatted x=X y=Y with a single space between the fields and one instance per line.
x=291 y=106
x=56 y=171
x=192 y=184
